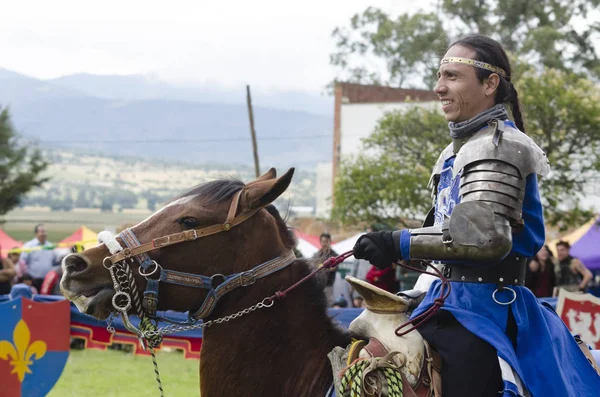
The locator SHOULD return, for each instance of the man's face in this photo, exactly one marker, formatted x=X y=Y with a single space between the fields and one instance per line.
x=462 y=95
x=41 y=234
x=325 y=242
x=562 y=252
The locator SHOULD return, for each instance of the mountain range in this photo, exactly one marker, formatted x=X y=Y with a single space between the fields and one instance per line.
x=145 y=117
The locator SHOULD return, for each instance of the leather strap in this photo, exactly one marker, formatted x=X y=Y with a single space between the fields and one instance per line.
x=240 y=280
x=189 y=235
x=354 y=351
x=511 y=271
x=233 y=208
x=375 y=348
x=430 y=380
x=588 y=354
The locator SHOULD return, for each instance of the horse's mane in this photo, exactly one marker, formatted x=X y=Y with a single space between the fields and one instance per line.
x=308 y=302
x=223 y=189
x=214 y=191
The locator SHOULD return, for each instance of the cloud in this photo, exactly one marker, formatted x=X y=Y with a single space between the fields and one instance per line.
x=267 y=43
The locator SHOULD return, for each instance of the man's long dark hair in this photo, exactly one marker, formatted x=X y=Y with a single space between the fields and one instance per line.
x=490 y=51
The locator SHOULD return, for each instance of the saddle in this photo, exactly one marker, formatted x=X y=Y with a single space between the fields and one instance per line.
x=417 y=364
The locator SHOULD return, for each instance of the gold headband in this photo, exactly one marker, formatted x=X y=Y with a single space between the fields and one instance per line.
x=475 y=63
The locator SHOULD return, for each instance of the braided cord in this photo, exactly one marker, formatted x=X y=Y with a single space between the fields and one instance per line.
x=155 y=363
x=394 y=382
x=352 y=380
x=351 y=377
x=146 y=324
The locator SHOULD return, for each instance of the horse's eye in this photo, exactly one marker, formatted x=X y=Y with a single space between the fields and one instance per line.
x=188 y=222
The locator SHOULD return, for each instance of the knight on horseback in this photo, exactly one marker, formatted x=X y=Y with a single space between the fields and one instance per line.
x=493 y=335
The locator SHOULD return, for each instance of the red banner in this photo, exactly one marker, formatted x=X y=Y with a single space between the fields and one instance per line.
x=97 y=337
x=581 y=314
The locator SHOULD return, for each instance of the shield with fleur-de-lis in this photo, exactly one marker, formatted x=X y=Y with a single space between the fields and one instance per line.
x=34 y=346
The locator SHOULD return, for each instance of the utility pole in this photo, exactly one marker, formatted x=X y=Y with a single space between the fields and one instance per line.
x=252 y=131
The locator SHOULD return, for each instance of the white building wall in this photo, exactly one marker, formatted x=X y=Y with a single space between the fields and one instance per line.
x=324 y=190
x=359 y=120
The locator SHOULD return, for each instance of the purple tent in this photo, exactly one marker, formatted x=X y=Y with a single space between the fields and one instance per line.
x=586 y=246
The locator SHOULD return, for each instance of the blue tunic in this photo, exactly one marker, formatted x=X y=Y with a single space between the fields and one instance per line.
x=547 y=358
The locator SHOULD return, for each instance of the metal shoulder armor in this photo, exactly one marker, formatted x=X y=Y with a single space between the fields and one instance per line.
x=493 y=166
x=504 y=144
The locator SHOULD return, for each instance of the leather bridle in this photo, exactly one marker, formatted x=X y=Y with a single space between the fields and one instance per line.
x=120 y=261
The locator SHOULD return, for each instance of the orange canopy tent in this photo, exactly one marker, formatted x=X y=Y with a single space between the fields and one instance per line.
x=7 y=243
x=83 y=234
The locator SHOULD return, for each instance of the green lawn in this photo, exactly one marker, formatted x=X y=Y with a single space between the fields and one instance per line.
x=19 y=223
x=95 y=373
x=25 y=235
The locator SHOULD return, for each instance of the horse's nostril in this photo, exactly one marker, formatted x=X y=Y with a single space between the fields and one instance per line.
x=75 y=263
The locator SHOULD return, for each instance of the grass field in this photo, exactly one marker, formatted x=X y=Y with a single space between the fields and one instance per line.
x=19 y=223
x=94 y=373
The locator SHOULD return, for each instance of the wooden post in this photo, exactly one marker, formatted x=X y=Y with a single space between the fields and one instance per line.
x=252 y=131
x=337 y=134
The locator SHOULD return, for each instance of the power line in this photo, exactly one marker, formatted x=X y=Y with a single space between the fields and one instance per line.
x=205 y=140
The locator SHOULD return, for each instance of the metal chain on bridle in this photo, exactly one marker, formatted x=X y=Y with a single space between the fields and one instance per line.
x=124 y=283
x=127 y=295
x=126 y=287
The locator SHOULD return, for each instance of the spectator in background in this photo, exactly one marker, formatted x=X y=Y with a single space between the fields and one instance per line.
x=51 y=284
x=19 y=266
x=340 y=303
x=571 y=273
x=7 y=273
x=28 y=281
x=325 y=253
x=39 y=261
x=541 y=277
x=358 y=301
x=384 y=278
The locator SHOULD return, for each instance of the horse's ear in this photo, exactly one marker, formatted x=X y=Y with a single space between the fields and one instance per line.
x=261 y=193
x=271 y=174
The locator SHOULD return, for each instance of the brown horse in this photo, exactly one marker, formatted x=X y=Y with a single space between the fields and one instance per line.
x=276 y=351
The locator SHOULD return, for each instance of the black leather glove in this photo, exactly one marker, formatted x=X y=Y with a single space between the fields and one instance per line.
x=379 y=248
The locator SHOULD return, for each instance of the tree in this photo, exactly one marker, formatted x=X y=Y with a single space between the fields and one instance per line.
x=557 y=85
x=124 y=198
x=387 y=183
x=563 y=114
x=404 y=51
x=378 y=49
x=82 y=200
x=106 y=204
x=20 y=166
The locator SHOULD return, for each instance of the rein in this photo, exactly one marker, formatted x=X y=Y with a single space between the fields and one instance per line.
x=121 y=261
x=437 y=303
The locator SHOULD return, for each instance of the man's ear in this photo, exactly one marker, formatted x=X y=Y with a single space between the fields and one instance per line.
x=261 y=193
x=491 y=84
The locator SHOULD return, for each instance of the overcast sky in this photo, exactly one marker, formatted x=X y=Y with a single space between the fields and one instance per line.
x=275 y=44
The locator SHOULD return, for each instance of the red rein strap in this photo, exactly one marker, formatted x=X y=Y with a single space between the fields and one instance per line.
x=330 y=263
x=334 y=261
x=437 y=303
